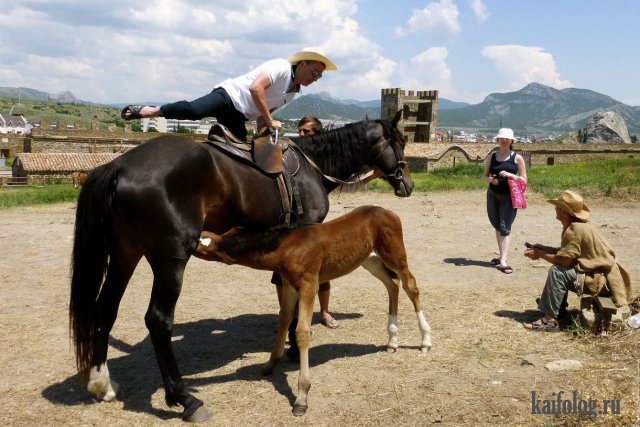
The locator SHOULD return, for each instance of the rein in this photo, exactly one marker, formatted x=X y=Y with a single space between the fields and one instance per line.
x=312 y=163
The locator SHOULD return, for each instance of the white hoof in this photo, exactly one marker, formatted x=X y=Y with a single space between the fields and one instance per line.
x=100 y=384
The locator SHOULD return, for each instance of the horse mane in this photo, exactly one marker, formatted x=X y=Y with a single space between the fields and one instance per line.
x=336 y=151
x=254 y=240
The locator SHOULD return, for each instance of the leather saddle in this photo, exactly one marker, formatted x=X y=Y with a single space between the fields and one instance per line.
x=274 y=159
x=271 y=158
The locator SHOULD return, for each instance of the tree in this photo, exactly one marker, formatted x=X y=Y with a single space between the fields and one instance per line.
x=183 y=129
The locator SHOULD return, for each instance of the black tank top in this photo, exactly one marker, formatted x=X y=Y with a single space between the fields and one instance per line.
x=496 y=167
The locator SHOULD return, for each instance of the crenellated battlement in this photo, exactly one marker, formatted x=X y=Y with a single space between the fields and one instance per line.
x=419 y=112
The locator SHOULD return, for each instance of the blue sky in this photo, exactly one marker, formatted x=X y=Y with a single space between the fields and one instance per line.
x=111 y=51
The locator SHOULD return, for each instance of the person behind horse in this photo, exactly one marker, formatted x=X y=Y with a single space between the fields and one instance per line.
x=584 y=263
x=500 y=166
x=252 y=96
x=307 y=126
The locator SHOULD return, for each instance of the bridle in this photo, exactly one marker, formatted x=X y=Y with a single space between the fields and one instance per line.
x=397 y=173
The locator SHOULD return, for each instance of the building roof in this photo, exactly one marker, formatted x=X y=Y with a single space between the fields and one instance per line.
x=62 y=162
x=7 y=119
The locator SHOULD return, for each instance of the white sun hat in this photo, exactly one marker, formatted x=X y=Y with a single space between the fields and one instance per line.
x=313 y=54
x=505 y=133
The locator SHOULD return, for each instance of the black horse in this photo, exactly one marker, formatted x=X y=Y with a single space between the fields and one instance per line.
x=154 y=201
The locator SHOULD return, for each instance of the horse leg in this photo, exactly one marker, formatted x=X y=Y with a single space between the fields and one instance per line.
x=289 y=298
x=307 y=292
x=167 y=283
x=376 y=267
x=118 y=274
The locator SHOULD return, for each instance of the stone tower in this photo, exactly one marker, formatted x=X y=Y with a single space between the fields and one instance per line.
x=419 y=112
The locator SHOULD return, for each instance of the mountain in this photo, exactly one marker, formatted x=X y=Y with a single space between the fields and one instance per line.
x=36 y=95
x=538 y=108
x=534 y=109
x=445 y=104
x=324 y=107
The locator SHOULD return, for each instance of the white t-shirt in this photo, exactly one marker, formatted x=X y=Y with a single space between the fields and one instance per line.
x=279 y=73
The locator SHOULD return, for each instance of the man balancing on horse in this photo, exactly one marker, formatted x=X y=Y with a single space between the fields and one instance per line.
x=252 y=96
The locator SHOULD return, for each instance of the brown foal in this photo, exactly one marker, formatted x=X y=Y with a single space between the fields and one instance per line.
x=317 y=253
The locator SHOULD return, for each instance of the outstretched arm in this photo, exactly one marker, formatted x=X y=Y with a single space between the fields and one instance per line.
x=257 y=89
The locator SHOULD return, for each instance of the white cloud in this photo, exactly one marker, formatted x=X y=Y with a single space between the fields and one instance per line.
x=480 y=10
x=522 y=65
x=429 y=71
x=438 y=19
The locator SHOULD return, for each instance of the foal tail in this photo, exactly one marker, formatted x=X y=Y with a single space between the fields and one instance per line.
x=89 y=261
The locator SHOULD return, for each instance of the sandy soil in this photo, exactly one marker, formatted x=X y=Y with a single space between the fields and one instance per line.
x=482 y=369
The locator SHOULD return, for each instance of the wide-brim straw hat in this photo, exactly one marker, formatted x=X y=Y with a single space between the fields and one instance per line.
x=313 y=54
x=572 y=203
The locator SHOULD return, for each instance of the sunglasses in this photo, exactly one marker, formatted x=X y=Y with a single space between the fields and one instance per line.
x=315 y=73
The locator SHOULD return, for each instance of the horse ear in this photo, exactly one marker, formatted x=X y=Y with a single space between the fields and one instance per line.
x=396 y=119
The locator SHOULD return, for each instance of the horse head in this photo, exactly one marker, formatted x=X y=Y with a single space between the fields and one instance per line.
x=387 y=155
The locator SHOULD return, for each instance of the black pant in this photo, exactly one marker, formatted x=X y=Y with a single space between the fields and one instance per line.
x=216 y=104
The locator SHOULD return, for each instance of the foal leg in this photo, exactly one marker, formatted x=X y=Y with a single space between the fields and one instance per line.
x=397 y=262
x=118 y=274
x=376 y=267
x=307 y=292
x=289 y=298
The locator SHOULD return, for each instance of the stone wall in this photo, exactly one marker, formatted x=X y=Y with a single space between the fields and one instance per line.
x=11 y=144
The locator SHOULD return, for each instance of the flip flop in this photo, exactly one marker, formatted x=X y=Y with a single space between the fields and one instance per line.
x=331 y=323
x=495 y=261
x=506 y=269
x=134 y=111
x=542 y=325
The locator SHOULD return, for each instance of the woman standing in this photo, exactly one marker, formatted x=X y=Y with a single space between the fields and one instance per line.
x=498 y=168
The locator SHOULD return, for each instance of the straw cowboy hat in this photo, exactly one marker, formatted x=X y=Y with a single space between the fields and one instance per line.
x=505 y=133
x=313 y=54
x=572 y=203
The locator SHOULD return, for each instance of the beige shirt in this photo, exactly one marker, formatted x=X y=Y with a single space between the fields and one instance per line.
x=582 y=242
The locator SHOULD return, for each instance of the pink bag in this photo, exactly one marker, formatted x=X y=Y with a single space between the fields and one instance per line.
x=517 y=188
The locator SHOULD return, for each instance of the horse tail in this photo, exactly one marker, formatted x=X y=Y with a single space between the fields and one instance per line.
x=89 y=260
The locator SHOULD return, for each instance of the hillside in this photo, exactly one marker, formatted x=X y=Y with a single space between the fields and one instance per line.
x=538 y=108
x=45 y=109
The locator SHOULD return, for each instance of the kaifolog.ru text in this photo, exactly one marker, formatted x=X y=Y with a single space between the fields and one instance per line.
x=559 y=405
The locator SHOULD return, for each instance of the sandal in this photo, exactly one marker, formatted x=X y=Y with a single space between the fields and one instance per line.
x=495 y=261
x=542 y=325
x=133 y=110
x=506 y=269
x=331 y=323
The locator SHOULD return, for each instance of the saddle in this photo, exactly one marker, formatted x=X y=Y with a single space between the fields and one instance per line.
x=274 y=159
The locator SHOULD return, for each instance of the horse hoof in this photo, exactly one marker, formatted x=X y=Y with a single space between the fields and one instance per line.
x=299 y=411
x=424 y=350
x=200 y=415
x=391 y=349
x=267 y=369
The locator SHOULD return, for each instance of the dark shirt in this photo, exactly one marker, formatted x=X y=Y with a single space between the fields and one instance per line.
x=496 y=167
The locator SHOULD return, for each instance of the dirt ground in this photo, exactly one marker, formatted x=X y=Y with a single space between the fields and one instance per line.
x=482 y=369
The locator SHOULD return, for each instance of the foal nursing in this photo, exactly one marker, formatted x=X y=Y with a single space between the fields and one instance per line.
x=316 y=253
